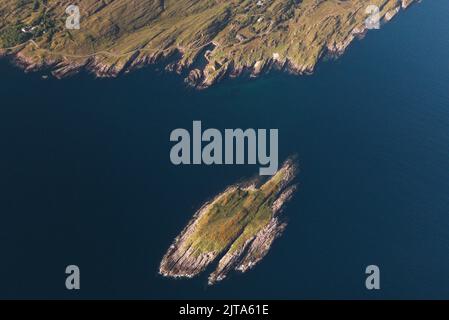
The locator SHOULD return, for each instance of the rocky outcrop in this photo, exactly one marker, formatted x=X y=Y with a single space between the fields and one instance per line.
x=406 y=3
x=194 y=77
x=183 y=261
x=392 y=13
x=248 y=245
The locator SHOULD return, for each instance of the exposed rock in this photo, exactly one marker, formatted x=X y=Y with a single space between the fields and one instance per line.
x=390 y=14
x=194 y=77
x=406 y=3
x=246 y=242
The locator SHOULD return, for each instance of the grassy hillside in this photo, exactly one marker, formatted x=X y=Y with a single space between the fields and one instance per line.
x=247 y=34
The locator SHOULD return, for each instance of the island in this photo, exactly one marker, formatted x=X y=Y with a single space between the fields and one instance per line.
x=205 y=40
x=237 y=228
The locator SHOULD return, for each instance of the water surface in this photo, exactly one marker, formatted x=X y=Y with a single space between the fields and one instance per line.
x=86 y=179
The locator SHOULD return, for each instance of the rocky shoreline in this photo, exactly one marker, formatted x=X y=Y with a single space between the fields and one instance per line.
x=185 y=260
x=31 y=57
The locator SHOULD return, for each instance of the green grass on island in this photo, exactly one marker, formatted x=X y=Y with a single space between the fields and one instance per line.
x=235 y=217
x=237 y=228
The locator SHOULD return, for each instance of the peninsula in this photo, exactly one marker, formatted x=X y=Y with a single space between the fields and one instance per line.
x=205 y=40
x=237 y=228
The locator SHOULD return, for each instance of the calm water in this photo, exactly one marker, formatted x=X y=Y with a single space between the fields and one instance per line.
x=85 y=176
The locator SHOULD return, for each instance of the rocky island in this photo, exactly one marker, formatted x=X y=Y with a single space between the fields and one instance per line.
x=205 y=40
x=237 y=228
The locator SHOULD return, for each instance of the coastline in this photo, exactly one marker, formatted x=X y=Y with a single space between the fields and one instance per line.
x=30 y=57
x=184 y=259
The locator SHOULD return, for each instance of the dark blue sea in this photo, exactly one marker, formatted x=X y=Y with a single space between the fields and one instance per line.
x=86 y=178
